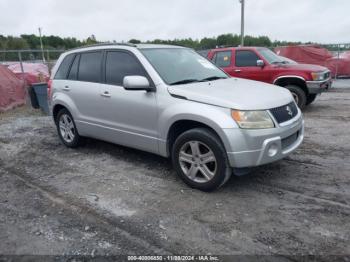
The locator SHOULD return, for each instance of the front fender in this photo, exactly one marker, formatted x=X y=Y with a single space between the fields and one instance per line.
x=217 y=118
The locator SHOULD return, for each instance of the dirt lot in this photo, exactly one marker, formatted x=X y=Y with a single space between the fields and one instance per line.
x=105 y=199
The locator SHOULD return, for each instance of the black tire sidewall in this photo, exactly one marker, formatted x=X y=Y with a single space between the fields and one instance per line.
x=213 y=142
x=310 y=98
x=77 y=138
x=300 y=93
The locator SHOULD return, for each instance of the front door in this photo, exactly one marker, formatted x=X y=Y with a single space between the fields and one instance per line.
x=245 y=66
x=129 y=117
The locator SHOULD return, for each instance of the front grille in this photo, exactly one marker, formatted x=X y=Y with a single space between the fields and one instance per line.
x=288 y=141
x=284 y=113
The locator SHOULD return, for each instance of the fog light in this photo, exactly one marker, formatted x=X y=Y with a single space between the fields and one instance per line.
x=273 y=149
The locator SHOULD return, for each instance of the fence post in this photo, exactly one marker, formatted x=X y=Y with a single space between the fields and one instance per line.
x=20 y=62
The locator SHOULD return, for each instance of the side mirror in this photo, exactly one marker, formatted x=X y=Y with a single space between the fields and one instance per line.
x=260 y=63
x=135 y=83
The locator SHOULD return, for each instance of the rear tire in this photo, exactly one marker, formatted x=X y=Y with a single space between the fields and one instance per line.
x=67 y=130
x=310 y=99
x=299 y=95
x=200 y=159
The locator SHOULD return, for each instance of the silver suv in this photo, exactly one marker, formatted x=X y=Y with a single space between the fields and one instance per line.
x=173 y=102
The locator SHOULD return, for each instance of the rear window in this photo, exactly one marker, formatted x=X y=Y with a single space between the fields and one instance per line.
x=90 y=67
x=64 y=67
x=73 y=73
x=222 y=59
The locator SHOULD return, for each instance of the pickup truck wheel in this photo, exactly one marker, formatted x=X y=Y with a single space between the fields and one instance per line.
x=310 y=98
x=298 y=94
x=200 y=159
x=67 y=131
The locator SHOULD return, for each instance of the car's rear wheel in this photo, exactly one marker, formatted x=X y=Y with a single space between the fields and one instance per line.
x=67 y=130
x=310 y=98
x=200 y=159
x=298 y=94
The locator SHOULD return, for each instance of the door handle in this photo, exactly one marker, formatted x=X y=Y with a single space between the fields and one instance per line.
x=238 y=70
x=66 y=88
x=106 y=94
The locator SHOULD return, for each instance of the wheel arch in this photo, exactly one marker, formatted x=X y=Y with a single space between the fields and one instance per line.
x=182 y=125
x=292 y=80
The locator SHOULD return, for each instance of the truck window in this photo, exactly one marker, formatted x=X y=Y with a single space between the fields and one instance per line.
x=246 y=58
x=222 y=58
x=121 y=64
x=90 y=67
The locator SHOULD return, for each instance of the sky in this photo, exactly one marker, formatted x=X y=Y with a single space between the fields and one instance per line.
x=322 y=21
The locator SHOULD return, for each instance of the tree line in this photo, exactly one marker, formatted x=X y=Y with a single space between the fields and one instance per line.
x=55 y=42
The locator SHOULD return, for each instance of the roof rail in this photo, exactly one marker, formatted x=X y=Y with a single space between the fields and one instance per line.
x=104 y=44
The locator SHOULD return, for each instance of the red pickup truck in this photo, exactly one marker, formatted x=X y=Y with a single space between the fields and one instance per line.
x=304 y=81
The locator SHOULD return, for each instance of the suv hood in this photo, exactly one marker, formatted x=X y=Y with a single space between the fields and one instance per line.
x=234 y=93
x=304 y=67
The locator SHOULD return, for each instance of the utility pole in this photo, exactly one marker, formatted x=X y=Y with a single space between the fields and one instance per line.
x=41 y=45
x=242 y=22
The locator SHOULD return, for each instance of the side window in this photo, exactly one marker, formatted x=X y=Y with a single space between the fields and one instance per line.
x=73 y=73
x=64 y=67
x=246 y=58
x=222 y=59
x=90 y=67
x=121 y=64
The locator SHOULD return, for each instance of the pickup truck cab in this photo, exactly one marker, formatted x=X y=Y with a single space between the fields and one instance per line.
x=170 y=101
x=304 y=81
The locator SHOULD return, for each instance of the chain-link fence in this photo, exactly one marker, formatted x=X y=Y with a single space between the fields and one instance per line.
x=47 y=57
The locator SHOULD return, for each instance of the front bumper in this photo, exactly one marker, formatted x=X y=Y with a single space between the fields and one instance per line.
x=317 y=87
x=258 y=147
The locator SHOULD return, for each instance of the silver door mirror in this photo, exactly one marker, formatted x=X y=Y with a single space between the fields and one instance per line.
x=136 y=83
x=260 y=63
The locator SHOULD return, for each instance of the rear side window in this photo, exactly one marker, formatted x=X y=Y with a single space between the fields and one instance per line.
x=90 y=67
x=121 y=64
x=246 y=58
x=222 y=59
x=64 y=67
x=73 y=73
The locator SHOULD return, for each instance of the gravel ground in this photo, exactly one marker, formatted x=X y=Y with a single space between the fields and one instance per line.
x=104 y=199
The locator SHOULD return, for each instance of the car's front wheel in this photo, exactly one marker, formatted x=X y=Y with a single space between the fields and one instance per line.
x=200 y=159
x=67 y=129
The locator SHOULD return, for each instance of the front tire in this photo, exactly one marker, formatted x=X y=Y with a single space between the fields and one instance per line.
x=67 y=130
x=200 y=159
x=310 y=99
x=298 y=94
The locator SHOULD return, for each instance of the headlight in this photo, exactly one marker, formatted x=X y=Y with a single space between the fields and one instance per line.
x=317 y=76
x=252 y=119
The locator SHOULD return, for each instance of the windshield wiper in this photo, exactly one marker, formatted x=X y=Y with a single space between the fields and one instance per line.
x=211 y=78
x=185 y=81
x=277 y=62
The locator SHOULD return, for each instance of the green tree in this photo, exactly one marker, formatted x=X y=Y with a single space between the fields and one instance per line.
x=134 y=41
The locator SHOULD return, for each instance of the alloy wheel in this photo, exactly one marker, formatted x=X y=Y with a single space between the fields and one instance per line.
x=67 y=128
x=197 y=161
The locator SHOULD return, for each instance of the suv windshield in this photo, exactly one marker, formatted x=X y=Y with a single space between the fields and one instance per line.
x=270 y=56
x=182 y=66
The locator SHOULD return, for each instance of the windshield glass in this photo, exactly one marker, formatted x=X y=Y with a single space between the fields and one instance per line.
x=181 y=65
x=270 y=56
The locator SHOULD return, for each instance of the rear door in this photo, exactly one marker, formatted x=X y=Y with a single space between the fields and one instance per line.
x=84 y=87
x=245 y=63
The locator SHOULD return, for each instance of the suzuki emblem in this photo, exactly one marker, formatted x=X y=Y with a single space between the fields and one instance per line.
x=289 y=110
